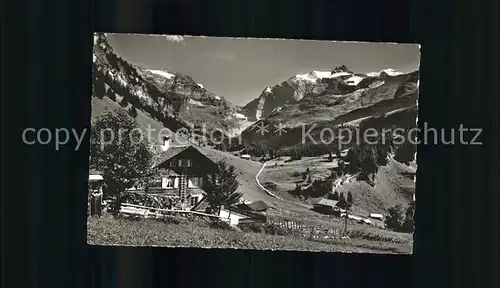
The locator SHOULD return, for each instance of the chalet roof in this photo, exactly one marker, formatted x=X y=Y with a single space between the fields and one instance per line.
x=171 y=152
x=257 y=206
x=324 y=202
x=175 y=150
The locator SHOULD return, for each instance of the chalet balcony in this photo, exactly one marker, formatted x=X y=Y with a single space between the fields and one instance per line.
x=167 y=191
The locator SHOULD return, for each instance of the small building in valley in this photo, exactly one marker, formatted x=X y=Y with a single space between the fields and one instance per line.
x=376 y=216
x=246 y=156
x=257 y=206
x=324 y=205
x=96 y=181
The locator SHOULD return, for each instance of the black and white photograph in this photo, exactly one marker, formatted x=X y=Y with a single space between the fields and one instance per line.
x=248 y=143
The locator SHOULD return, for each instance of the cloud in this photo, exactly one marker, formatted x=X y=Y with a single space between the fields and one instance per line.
x=175 y=38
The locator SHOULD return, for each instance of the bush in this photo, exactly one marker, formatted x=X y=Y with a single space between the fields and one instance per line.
x=267 y=228
x=334 y=196
x=124 y=103
x=111 y=95
x=132 y=111
x=395 y=218
x=252 y=227
x=168 y=219
x=276 y=230
x=319 y=188
x=376 y=236
x=219 y=224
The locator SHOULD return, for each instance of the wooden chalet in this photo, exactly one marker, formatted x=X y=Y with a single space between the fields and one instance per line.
x=324 y=205
x=182 y=172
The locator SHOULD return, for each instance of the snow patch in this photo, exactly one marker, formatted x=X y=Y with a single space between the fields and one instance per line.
x=267 y=90
x=376 y=84
x=201 y=86
x=373 y=74
x=354 y=80
x=163 y=73
x=315 y=75
x=122 y=80
x=321 y=74
x=197 y=103
x=307 y=77
x=217 y=97
x=391 y=72
x=335 y=75
x=260 y=108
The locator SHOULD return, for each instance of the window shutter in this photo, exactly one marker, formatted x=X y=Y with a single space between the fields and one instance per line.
x=176 y=182
x=164 y=183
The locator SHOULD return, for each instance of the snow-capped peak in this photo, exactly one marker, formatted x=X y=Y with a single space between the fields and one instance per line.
x=390 y=72
x=315 y=75
x=163 y=73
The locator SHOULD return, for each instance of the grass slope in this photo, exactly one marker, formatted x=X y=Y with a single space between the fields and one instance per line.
x=147 y=232
x=389 y=189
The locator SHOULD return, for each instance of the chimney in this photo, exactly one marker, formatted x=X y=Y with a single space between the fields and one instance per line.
x=166 y=144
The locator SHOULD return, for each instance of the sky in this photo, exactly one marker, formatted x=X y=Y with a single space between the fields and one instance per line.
x=239 y=69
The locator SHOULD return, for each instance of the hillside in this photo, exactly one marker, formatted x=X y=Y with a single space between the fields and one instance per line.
x=174 y=99
x=391 y=183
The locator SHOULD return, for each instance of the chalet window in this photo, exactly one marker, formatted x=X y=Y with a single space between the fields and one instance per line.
x=173 y=163
x=167 y=182
x=194 y=201
x=184 y=163
x=195 y=182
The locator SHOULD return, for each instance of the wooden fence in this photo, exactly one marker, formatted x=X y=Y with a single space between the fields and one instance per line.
x=306 y=229
x=147 y=212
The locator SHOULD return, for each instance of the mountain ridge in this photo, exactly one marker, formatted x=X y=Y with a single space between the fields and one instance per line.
x=168 y=97
x=340 y=80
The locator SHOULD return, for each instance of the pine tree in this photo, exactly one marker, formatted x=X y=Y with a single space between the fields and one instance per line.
x=350 y=200
x=342 y=201
x=409 y=218
x=298 y=189
x=395 y=218
x=132 y=111
x=221 y=187
x=124 y=102
x=336 y=196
